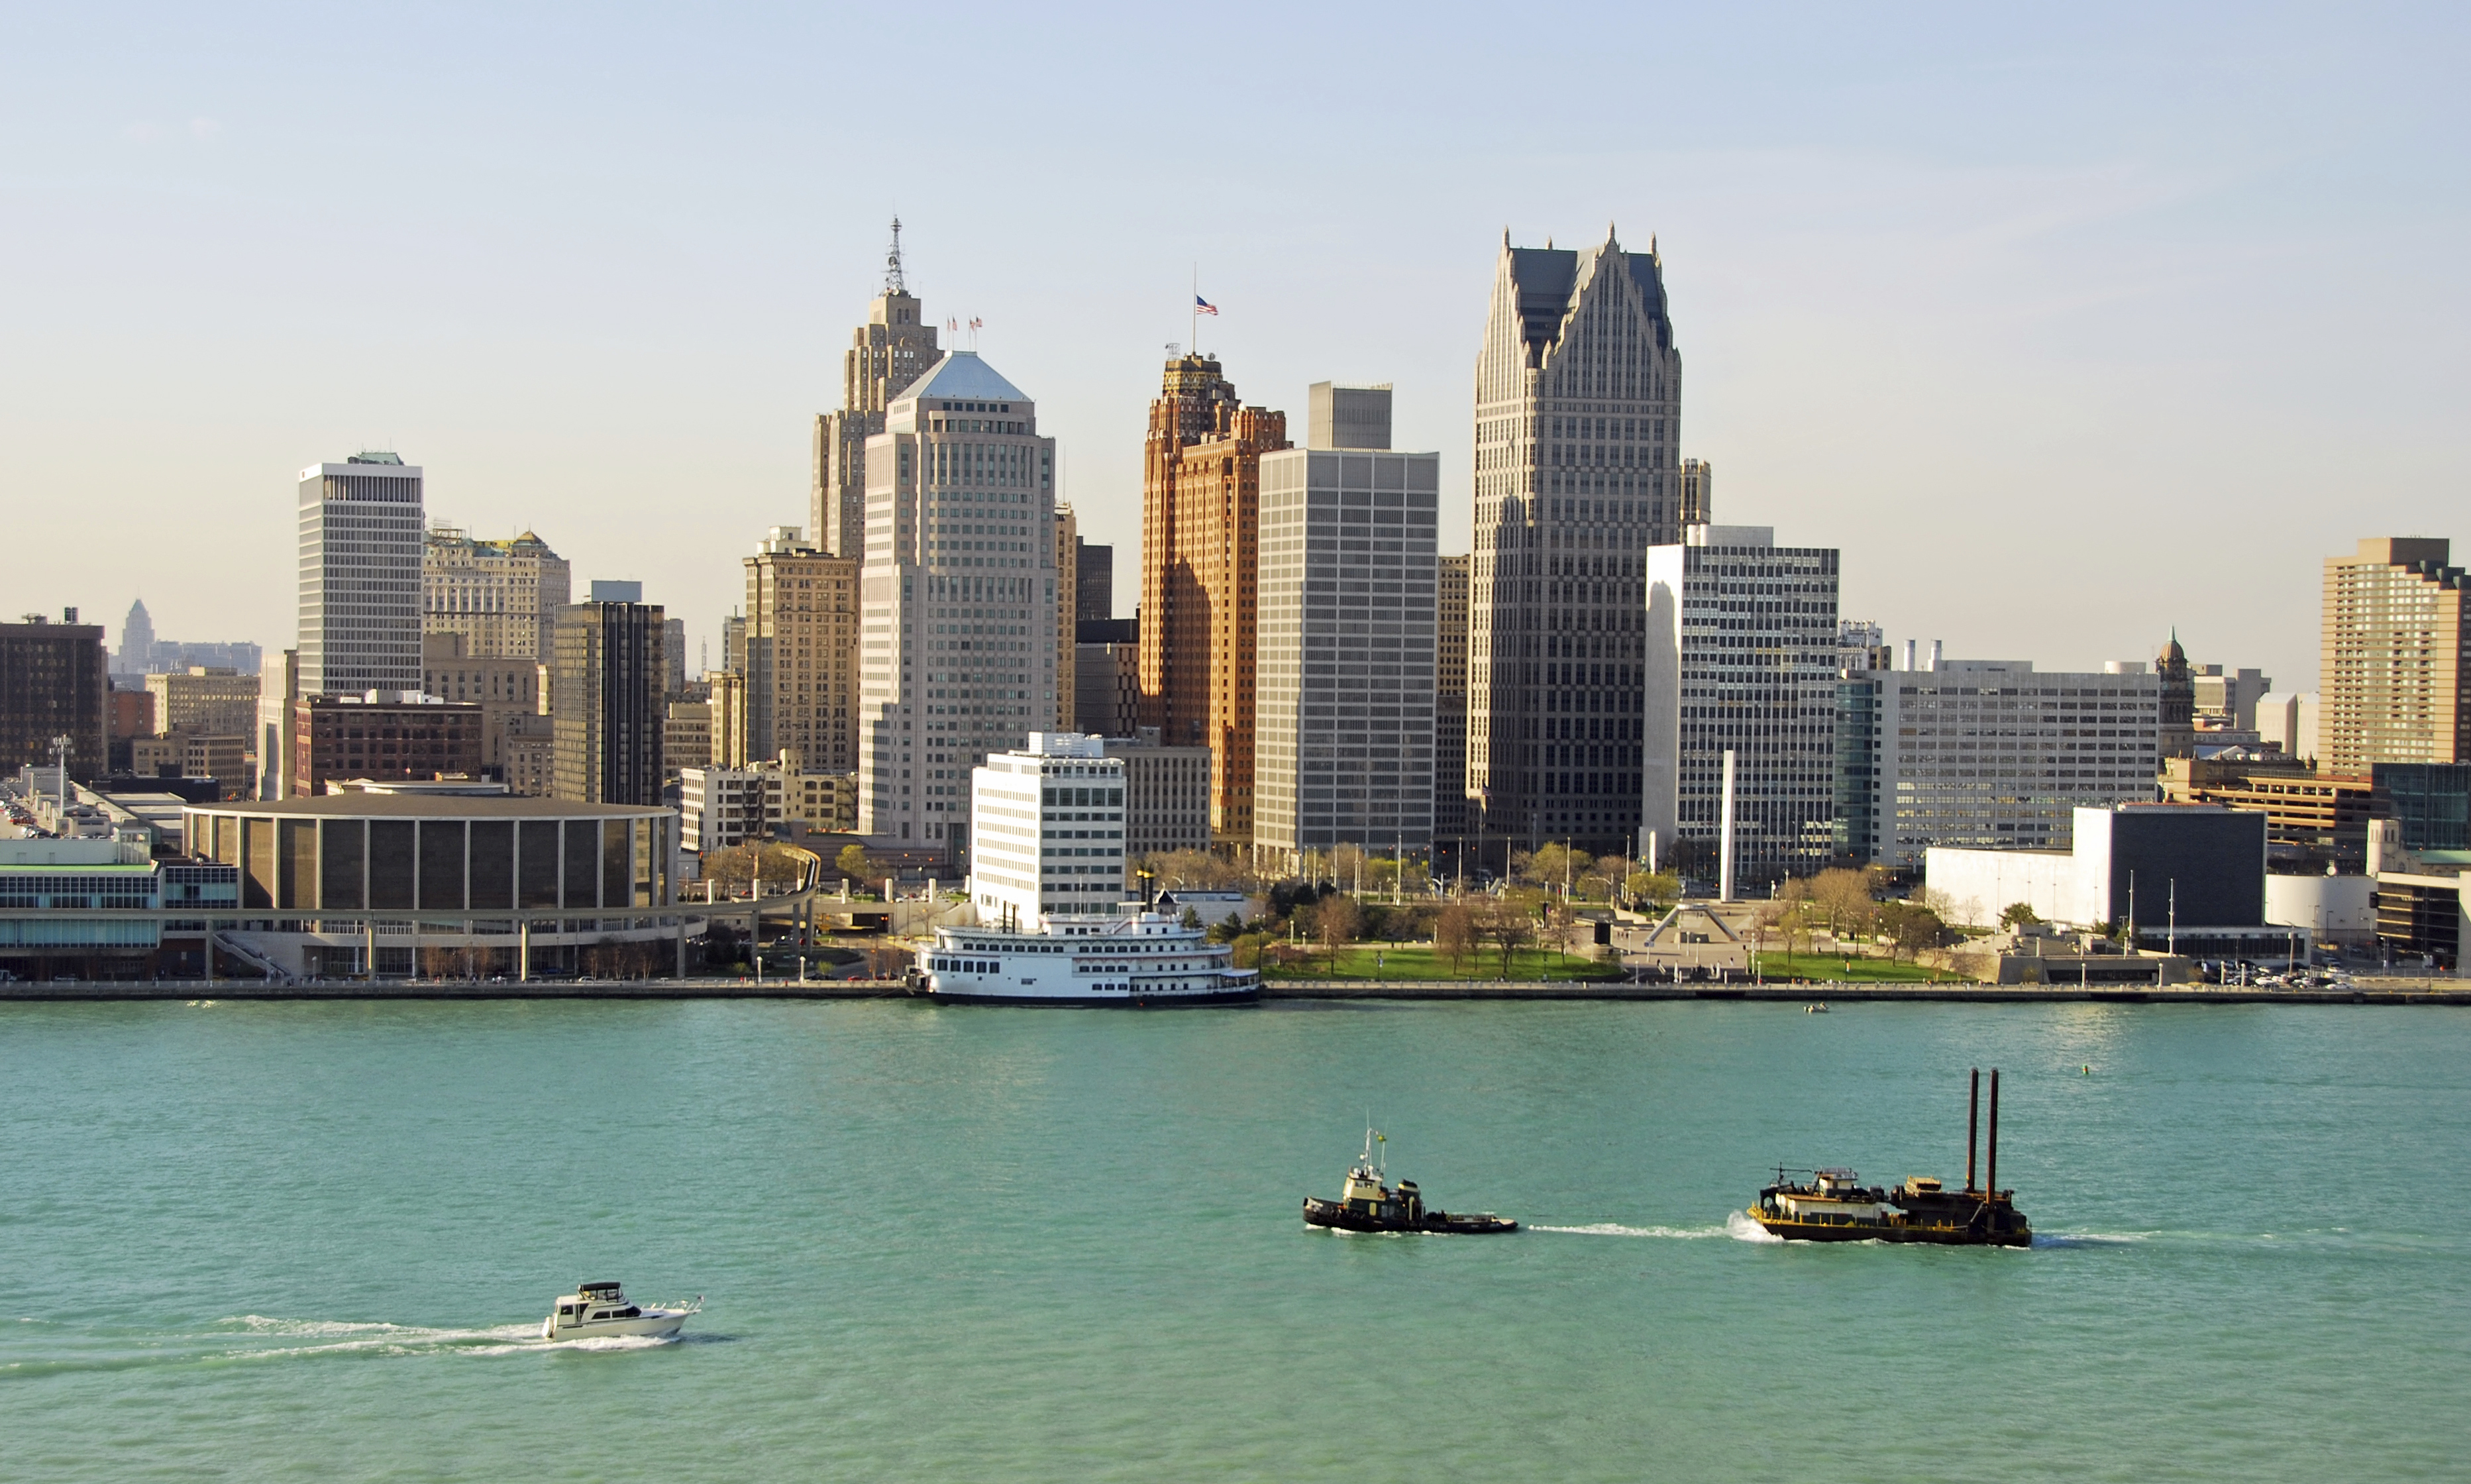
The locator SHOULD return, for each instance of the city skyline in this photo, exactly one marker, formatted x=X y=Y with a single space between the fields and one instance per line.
x=1912 y=341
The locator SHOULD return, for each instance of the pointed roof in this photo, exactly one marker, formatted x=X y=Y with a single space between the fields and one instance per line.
x=962 y=375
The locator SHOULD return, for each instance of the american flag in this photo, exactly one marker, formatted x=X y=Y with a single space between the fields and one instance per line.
x=1202 y=306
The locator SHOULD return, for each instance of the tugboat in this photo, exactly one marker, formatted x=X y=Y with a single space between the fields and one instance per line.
x=597 y=1309
x=1836 y=1207
x=1366 y=1204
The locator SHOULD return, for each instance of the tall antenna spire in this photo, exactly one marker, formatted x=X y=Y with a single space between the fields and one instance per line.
x=892 y=280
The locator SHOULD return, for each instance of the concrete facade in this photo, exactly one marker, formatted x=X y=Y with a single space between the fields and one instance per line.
x=360 y=562
x=1048 y=823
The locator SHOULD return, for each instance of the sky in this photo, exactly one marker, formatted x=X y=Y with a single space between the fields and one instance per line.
x=2070 y=329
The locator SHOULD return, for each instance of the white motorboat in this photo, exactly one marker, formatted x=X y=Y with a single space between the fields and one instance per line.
x=593 y=1311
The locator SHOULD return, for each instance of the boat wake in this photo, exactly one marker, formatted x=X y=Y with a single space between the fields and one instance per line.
x=340 y=1336
x=1739 y=1226
x=1617 y=1229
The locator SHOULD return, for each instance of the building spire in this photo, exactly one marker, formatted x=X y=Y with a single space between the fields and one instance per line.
x=892 y=279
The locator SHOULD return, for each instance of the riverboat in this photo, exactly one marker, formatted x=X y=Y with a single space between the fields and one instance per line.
x=1144 y=960
x=598 y=1310
x=1835 y=1206
x=1369 y=1202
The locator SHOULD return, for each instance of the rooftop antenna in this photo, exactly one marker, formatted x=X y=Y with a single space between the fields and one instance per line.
x=893 y=283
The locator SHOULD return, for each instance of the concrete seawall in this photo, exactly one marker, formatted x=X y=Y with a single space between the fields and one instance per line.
x=2382 y=991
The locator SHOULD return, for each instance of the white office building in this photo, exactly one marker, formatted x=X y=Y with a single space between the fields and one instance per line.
x=721 y=806
x=360 y=546
x=1741 y=659
x=956 y=622
x=1343 y=699
x=1991 y=754
x=1047 y=820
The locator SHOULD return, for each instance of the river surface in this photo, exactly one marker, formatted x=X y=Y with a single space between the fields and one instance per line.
x=314 y=1242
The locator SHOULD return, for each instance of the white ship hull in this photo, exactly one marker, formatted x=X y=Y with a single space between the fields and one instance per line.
x=1144 y=964
x=656 y=1323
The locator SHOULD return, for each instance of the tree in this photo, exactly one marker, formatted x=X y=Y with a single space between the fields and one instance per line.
x=1454 y=934
x=1510 y=923
x=1248 y=949
x=1191 y=918
x=1844 y=896
x=855 y=863
x=1336 y=923
x=1655 y=886
x=2018 y=914
x=1227 y=932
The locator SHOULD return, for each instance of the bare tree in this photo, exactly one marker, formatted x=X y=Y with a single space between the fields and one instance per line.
x=1454 y=934
x=1336 y=922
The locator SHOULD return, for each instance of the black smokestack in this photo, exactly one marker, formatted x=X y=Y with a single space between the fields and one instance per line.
x=1972 y=1126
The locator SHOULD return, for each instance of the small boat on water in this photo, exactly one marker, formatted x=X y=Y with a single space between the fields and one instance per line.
x=593 y=1311
x=1834 y=1206
x=1368 y=1203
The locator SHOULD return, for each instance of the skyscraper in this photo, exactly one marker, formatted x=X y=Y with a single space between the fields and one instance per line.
x=1449 y=698
x=1740 y=662
x=2395 y=681
x=1093 y=579
x=957 y=610
x=1346 y=653
x=1577 y=407
x=54 y=681
x=605 y=699
x=1200 y=485
x=1067 y=536
x=802 y=654
x=136 y=656
x=360 y=575
x=892 y=349
x=502 y=597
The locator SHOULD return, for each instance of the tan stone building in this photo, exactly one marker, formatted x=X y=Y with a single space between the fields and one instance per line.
x=2313 y=818
x=686 y=736
x=207 y=702
x=802 y=652
x=529 y=756
x=501 y=686
x=1201 y=493
x=502 y=597
x=2394 y=658
x=892 y=349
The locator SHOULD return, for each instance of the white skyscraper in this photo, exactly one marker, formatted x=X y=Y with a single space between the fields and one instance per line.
x=957 y=622
x=1343 y=715
x=1578 y=428
x=1741 y=659
x=360 y=546
x=1048 y=831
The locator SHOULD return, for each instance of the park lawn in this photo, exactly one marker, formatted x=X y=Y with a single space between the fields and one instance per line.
x=1832 y=968
x=1421 y=961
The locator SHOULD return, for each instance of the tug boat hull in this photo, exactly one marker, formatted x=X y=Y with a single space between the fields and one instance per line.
x=1834 y=1206
x=1336 y=1216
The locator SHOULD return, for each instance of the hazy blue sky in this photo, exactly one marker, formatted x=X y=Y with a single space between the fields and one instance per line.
x=2068 y=327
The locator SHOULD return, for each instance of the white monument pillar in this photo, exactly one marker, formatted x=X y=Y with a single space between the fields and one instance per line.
x=1725 y=841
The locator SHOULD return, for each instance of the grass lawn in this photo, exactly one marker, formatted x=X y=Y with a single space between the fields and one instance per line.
x=1833 y=968
x=1418 y=961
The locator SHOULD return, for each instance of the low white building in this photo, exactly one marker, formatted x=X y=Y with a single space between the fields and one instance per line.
x=1047 y=832
x=2164 y=868
x=721 y=806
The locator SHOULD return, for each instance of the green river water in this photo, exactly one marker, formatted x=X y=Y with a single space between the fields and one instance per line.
x=314 y=1242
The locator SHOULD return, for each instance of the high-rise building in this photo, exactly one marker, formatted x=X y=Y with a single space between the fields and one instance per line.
x=1107 y=677
x=1452 y=576
x=361 y=556
x=606 y=691
x=54 y=680
x=1741 y=663
x=1346 y=713
x=1067 y=536
x=957 y=616
x=892 y=349
x=1167 y=798
x=1201 y=484
x=1049 y=829
x=1094 y=580
x=502 y=597
x=1698 y=491
x=801 y=643
x=1987 y=754
x=136 y=655
x=673 y=656
x=1578 y=418
x=2394 y=677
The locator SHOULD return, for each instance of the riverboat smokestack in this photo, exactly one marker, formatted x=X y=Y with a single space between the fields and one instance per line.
x=1972 y=1127
x=1992 y=1186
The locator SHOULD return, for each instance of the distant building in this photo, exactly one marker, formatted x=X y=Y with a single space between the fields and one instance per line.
x=958 y=629
x=2396 y=669
x=137 y=653
x=2429 y=803
x=1453 y=576
x=686 y=735
x=1740 y=659
x=54 y=679
x=361 y=559
x=1107 y=677
x=499 y=596
x=1167 y=796
x=501 y=685
x=887 y=354
x=1346 y=692
x=1047 y=823
x=529 y=756
x=279 y=691
x=802 y=648
x=722 y=806
x=2314 y=820
x=1698 y=485
x=2226 y=699
x=824 y=803
x=1065 y=532
x=674 y=674
x=606 y=696
x=1201 y=484
x=1094 y=580
x=2150 y=865
x=208 y=702
x=385 y=737
x=2289 y=722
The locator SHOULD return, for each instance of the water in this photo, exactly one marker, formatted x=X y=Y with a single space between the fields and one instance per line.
x=313 y=1240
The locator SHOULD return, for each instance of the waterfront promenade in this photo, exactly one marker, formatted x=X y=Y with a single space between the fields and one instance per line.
x=2364 y=991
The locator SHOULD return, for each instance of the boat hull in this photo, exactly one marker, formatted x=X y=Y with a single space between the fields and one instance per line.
x=1101 y=1002
x=1332 y=1215
x=653 y=1326
x=1857 y=1232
